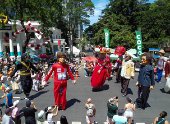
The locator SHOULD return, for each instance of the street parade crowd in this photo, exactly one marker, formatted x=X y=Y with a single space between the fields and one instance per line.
x=25 y=76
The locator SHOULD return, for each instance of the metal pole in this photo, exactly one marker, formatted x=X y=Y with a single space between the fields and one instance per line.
x=71 y=46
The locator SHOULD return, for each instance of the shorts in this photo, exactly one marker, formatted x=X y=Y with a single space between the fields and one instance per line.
x=109 y=120
x=89 y=119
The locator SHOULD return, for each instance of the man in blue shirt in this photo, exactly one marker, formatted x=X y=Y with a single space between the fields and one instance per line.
x=145 y=81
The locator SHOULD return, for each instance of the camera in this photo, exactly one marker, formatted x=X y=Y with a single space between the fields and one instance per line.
x=116 y=97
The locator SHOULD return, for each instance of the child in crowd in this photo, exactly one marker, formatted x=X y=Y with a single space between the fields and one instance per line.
x=34 y=77
x=19 y=82
x=39 y=75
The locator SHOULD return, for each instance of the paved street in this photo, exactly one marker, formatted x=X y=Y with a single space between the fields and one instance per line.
x=78 y=94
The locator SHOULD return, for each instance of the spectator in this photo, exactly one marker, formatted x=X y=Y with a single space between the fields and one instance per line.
x=112 y=106
x=85 y=68
x=129 y=108
x=29 y=112
x=40 y=119
x=50 y=116
x=91 y=111
x=34 y=79
x=160 y=65
x=119 y=119
x=63 y=120
x=6 y=119
x=15 y=113
x=8 y=97
x=161 y=119
x=145 y=81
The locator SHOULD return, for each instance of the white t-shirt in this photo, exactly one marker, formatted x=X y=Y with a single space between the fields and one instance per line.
x=50 y=117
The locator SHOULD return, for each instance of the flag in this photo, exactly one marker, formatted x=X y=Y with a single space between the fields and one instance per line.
x=107 y=38
x=139 y=43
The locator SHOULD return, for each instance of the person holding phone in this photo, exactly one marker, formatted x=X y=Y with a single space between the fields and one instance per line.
x=112 y=105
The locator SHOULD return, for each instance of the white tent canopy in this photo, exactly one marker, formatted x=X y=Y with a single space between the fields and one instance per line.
x=75 y=50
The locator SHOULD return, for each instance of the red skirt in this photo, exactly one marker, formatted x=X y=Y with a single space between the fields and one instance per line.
x=97 y=80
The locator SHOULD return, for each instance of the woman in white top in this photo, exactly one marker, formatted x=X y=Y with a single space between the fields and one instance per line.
x=50 y=115
x=129 y=108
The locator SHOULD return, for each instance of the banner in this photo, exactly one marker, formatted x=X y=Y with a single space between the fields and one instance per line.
x=107 y=38
x=139 y=43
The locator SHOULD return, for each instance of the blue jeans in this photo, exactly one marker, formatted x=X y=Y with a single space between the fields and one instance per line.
x=85 y=72
x=159 y=73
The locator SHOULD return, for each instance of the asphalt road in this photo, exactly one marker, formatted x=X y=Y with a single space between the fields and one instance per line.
x=78 y=94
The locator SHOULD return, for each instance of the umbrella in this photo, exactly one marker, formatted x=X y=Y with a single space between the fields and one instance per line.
x=1 y=55
x=3 y=86
x=43 y=56
x=120 y=50
x=97 y=50
x=35 y=58
x=114 y=57
x=89 y=59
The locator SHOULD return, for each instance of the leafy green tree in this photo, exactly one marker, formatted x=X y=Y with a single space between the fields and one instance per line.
x=45 y=11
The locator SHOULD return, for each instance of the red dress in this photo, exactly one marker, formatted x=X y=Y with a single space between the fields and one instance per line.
x=60 y=82
x=97 y=80
x=109 y=65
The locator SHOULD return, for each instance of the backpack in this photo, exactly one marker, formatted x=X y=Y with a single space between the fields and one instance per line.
x=90 y=110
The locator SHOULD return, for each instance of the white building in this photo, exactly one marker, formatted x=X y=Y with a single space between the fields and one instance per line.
x=14 y=47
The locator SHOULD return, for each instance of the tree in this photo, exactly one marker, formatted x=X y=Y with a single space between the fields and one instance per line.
x=45 y=11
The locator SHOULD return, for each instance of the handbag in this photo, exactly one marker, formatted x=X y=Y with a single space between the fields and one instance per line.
x=167 y=85
x=15 y=86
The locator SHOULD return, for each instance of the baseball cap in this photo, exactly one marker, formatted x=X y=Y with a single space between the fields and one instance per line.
x=16 y=102
x=8 y=110
x=41 y=113
x=121 y=111
x=28 y=103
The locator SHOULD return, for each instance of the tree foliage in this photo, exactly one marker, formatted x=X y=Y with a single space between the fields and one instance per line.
x=123 y=17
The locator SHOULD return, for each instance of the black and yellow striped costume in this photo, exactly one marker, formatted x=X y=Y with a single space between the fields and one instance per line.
x=25 y=75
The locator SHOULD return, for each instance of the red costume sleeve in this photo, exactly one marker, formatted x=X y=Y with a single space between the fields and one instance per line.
x=167 y=69
x=49 y=74
x=70 y=73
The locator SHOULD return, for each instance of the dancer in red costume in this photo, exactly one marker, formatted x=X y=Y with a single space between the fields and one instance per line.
x=109 y=64
x=60 y=70
x=100 y=72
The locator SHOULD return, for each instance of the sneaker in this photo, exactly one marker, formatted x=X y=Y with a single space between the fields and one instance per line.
x=26 y=98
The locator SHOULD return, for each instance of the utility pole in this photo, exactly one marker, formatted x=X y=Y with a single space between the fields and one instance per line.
x=71 y=45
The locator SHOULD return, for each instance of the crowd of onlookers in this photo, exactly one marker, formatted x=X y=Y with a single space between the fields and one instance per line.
x=12 y=113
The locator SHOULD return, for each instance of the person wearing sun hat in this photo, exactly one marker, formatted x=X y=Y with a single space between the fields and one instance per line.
x=160 y=65
x=112 y=105
x=40 y=119
x=15 y=113
x=129 y=108
x=127 y=72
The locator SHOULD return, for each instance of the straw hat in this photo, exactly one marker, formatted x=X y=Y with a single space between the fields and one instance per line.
x=161 y=51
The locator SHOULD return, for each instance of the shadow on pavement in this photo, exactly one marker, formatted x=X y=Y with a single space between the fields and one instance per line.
x=71 y=102
x=129 y=91
x=37 y=94
x=163 y=91
x=104 y=87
